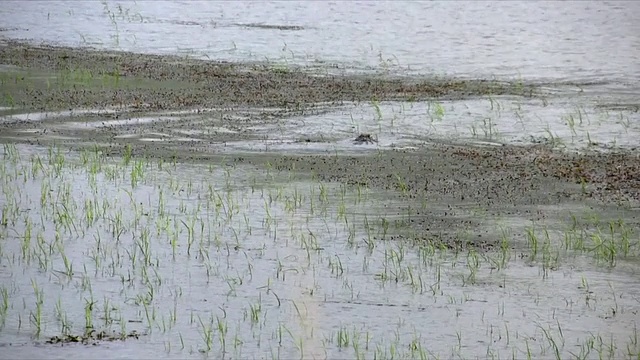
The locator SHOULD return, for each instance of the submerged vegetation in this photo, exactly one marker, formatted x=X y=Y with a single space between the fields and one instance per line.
x=226 y=258
x=141 y=216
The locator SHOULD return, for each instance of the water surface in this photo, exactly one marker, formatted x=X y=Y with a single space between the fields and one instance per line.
x=546 y=41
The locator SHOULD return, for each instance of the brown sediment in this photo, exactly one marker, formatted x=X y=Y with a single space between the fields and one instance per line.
x=92 y=337
x=201 y=83
x=501 y=181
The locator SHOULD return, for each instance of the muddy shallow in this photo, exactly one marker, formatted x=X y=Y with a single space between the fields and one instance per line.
x=181 y=260
x=207 y=207
x=147 y=116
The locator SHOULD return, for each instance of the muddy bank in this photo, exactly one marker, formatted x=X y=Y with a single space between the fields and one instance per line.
x=446 y=186
x=166 y=82
x=487 y=177
x=456 y=196
x=465 y=190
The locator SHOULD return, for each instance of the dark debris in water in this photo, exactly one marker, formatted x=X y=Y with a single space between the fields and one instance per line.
x=271 y=26
x=2 y=29
x=364 y=139
x=620 y=107
x=92 y=337
x=450 y=242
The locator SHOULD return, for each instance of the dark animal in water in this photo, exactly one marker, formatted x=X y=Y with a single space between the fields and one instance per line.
x=364 y=139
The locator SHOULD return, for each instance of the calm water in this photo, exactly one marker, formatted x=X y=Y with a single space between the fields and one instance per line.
x=594 y=44
x=569 y=41
x=270 y=257
x=327 y=281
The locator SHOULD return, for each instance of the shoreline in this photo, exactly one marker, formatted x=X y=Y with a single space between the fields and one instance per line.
x=504 y=181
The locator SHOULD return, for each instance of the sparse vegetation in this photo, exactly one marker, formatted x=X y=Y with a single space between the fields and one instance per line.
x=140 y=216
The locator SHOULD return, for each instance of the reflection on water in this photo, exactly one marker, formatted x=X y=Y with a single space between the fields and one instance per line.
x=212 y=258
x=578 y=41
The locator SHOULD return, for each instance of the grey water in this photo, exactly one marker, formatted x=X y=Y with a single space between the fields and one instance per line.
x=586 y=54
x=595 y=41
x=225 y=260
x=330 y=288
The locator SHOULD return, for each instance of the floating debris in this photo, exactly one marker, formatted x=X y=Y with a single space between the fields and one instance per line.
x=364 y=139
x=271 y=26
x=92 y=337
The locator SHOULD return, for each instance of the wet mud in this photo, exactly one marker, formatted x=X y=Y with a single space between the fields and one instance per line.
x=231 y=100
x=92 y=337
x=189 y=83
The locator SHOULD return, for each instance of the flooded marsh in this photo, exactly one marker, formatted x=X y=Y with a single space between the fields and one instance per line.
x=226 y=259
x=311 y=180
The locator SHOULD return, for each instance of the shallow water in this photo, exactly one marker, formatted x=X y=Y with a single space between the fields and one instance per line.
x=204 y=258
x=278 y=265
x=570 y=41
x=559 y=122
x=585 y=53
